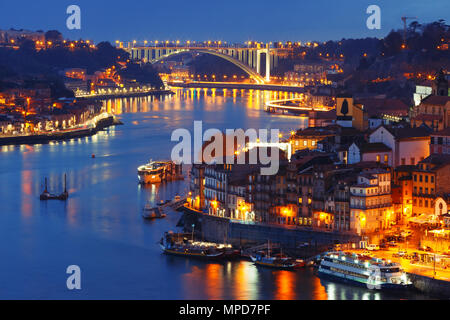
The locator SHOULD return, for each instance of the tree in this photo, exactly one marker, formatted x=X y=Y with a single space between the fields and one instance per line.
x=53 y=36
x=392 y=43
x=344 y=107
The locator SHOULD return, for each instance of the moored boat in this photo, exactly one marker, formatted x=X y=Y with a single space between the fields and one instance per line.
x=277 y=261
x=158 y=171
x=363 y=270
x=179 y=244
x=45 y=195
x=150 y=212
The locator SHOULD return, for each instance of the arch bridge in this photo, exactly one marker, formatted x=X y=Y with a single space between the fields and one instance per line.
x=247 y=59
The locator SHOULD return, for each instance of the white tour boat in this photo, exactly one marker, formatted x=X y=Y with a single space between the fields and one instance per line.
x=363 y=270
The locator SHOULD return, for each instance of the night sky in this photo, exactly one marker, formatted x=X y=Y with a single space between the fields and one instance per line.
x=227 y=20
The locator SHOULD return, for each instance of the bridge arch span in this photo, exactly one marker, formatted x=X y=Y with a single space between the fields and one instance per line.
x=252 y=73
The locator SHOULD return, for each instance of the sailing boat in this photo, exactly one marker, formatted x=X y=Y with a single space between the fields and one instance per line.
x=277 y=261
x=45 y=195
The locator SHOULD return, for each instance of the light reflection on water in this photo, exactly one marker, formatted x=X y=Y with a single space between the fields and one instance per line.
x=100 y=227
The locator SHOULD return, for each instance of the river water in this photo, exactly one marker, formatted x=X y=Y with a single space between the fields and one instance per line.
x=100 y=228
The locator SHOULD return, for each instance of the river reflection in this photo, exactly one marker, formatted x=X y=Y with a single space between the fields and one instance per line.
x=100 y=227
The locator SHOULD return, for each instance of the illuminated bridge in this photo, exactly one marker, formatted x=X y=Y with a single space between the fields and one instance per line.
x=246 y=58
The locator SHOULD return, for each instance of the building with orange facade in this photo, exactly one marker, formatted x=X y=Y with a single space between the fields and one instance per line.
x=371 y=203
x=440 y=142
x=431 y=179
x=308 y=138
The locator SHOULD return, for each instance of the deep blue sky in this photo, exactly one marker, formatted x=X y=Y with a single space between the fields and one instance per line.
x=227 y=20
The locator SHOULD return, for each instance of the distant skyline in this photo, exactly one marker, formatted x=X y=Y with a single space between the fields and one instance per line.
x=231 y=21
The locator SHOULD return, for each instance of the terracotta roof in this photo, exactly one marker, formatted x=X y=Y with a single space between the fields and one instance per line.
x=314 y=131
x=427 y=117
x=401 y=133
x=437 y=159
x=405 y=168
x=384 y=106
x=374 y=147
x=436 y=100
x=444 y=132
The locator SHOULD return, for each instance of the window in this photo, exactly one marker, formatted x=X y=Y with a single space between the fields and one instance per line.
x=378 y=158
x=432 y=179
x=386 y=158
x=413 y=161
x=305 y=142
x=313 y=143
x=403 y=161
x=426 y=178
x=415 y=177
x=420 y=178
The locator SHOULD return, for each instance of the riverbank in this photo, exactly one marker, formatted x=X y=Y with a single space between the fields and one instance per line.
x=60 y=135
x=300 y=241
x=433 y=287
x=125 y=95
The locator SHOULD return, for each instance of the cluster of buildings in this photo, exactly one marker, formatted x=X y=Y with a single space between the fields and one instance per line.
x=369 y=170
x=12 y=38
x=81 y=83
x=32 y=110
x=313 y=73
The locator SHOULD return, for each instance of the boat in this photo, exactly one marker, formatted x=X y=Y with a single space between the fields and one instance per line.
x=277 y=261
x=158 y=171
x=359 y=269
x=45 y=195
x=177 y=202
x=150 y=212
x=179 y=244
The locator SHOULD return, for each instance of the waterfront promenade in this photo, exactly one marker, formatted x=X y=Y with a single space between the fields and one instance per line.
x=242 y=233
x=91 y=127
x=123 y=93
